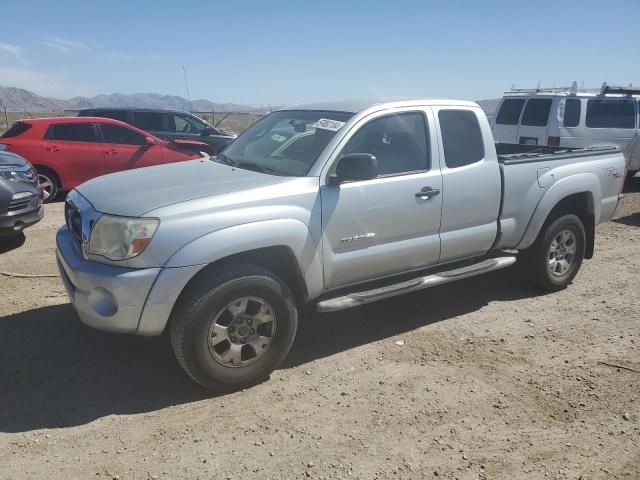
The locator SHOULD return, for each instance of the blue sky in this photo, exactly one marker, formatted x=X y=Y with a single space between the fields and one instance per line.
x=294 y=51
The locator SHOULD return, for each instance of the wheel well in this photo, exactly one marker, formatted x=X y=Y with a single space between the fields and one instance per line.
x=278 y=259
x=581 y=205
x=56 y=177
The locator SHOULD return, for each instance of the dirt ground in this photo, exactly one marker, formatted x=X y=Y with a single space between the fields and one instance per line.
x=485 y=378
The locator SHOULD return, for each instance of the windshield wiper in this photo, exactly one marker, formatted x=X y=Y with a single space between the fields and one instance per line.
x=256 y=167
x=222 y=158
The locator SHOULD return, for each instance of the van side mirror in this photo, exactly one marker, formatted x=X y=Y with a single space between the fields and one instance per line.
x=354 y=167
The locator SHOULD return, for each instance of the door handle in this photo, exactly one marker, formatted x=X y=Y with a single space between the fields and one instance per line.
x=52 y=148
x=110 y=152
x=427 y=192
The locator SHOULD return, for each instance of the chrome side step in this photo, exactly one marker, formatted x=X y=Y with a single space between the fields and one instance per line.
x=360 y=298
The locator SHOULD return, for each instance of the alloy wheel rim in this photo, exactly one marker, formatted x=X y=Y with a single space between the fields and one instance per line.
x=47 y=185
x=562 y=253
x=242 y=332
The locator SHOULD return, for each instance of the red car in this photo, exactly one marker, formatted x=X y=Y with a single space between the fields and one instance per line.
x=68 y=151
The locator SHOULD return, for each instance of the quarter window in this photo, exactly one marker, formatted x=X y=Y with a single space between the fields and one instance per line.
x=509 y=113
x=461 y=137
x=121 y=135
x=399 y=142
x=72 y=132
x=572 y=108
x=536 y=113
x=607 y=113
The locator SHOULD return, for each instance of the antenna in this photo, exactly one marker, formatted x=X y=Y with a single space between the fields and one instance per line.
x=186 y=84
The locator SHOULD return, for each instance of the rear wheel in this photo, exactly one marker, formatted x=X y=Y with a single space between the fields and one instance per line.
x=49 y=182
x=234 y=327
x=553 y=261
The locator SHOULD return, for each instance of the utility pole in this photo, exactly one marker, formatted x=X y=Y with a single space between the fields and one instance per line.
x=186 y=84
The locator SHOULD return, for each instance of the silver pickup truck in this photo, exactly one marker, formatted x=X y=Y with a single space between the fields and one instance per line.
x=331 y=205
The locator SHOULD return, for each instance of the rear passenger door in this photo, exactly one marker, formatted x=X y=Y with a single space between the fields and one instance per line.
x=505 y=125
x=534 y=124
x=72 y=150
x=471 y=183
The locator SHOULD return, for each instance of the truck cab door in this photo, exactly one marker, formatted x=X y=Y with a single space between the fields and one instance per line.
x=471 y=183
x=386 y=225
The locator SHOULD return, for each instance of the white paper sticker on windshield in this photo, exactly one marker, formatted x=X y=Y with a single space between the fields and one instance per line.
x=328 y=124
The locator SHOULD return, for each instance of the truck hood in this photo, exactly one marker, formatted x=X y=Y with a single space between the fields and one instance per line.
x=133 y=193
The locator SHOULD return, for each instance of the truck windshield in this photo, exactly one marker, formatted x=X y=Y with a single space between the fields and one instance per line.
x=285 y=143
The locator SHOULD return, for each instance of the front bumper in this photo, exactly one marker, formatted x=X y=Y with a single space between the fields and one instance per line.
x=10 y=224
x=106 y=297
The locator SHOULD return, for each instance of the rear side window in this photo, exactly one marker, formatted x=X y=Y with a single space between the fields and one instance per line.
x=536 y=113
x=461 y=137
x=115 y=114
x=611 y=114
x=121 y=135
x=572 y=107
x=509 y=113
x=72 y=132
x=151 y=121
x=16 y=129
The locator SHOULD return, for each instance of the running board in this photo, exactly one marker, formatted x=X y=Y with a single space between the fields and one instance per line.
x=360 y=298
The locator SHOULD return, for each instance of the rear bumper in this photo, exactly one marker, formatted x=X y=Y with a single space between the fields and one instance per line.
x=10 y=224
x=107 y=298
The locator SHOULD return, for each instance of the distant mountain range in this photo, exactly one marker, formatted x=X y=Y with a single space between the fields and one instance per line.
x=19 y=100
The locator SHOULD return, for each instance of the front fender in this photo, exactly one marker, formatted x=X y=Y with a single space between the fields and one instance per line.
x=580 y=183
x=251 y=236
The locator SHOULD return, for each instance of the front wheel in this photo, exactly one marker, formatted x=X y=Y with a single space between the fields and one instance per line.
x=49 y=183
x=234 y=327
x=553 y=261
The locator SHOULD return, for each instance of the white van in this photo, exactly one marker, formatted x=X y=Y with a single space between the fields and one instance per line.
x=567 y=117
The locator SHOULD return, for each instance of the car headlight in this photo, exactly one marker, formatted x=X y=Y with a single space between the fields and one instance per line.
x=120 y=238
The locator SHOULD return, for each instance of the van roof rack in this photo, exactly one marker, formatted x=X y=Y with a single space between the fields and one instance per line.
x=616 y=89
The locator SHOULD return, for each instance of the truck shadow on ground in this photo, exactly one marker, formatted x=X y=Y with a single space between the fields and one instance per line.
x=55 y=372
x=8 y=244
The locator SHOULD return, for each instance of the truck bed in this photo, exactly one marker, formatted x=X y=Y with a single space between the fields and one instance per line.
x=531 y=172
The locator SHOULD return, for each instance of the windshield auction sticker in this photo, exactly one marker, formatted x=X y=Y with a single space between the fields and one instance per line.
x=327 y=124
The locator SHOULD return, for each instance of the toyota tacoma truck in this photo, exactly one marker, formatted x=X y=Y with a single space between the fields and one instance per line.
x=326 y=205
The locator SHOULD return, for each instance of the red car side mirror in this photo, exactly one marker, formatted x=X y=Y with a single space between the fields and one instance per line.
x=149 y=141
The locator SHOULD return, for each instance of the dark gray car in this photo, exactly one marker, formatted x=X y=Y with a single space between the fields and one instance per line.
x=20 y=195
x=166 y=124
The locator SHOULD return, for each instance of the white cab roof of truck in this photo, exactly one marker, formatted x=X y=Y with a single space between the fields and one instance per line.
x=355 y=106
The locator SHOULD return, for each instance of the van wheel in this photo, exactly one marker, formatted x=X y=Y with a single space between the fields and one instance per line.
x=554 y=259
x=49 y=182
x=234 y=327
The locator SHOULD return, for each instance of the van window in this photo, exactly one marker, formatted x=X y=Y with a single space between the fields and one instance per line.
x=509 y=113
x=461 y=137
x=536 y=113
x=151 y=121
x=607 y=113
x=572 y=108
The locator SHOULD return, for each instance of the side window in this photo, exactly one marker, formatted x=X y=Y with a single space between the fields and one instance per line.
x=611 y=114
x=151 y=121
x=121 y=135
x=461 y=137
x=399 y=142
x=509 y=113
x=72 y=132
x=115 y=114
x=572 y=109
x=536 y=113
x=187 y=124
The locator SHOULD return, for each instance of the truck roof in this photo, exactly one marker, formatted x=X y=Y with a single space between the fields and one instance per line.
x=357 y=105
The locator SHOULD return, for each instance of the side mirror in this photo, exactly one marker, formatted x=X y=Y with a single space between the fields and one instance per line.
x=355 y=166
x=149 y=141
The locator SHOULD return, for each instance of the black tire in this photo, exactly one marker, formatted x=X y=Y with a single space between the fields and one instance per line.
x=197 y=310
x=46 y=176
x=536 y=260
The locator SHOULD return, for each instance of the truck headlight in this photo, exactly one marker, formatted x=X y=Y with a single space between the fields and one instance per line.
x=120 y=238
